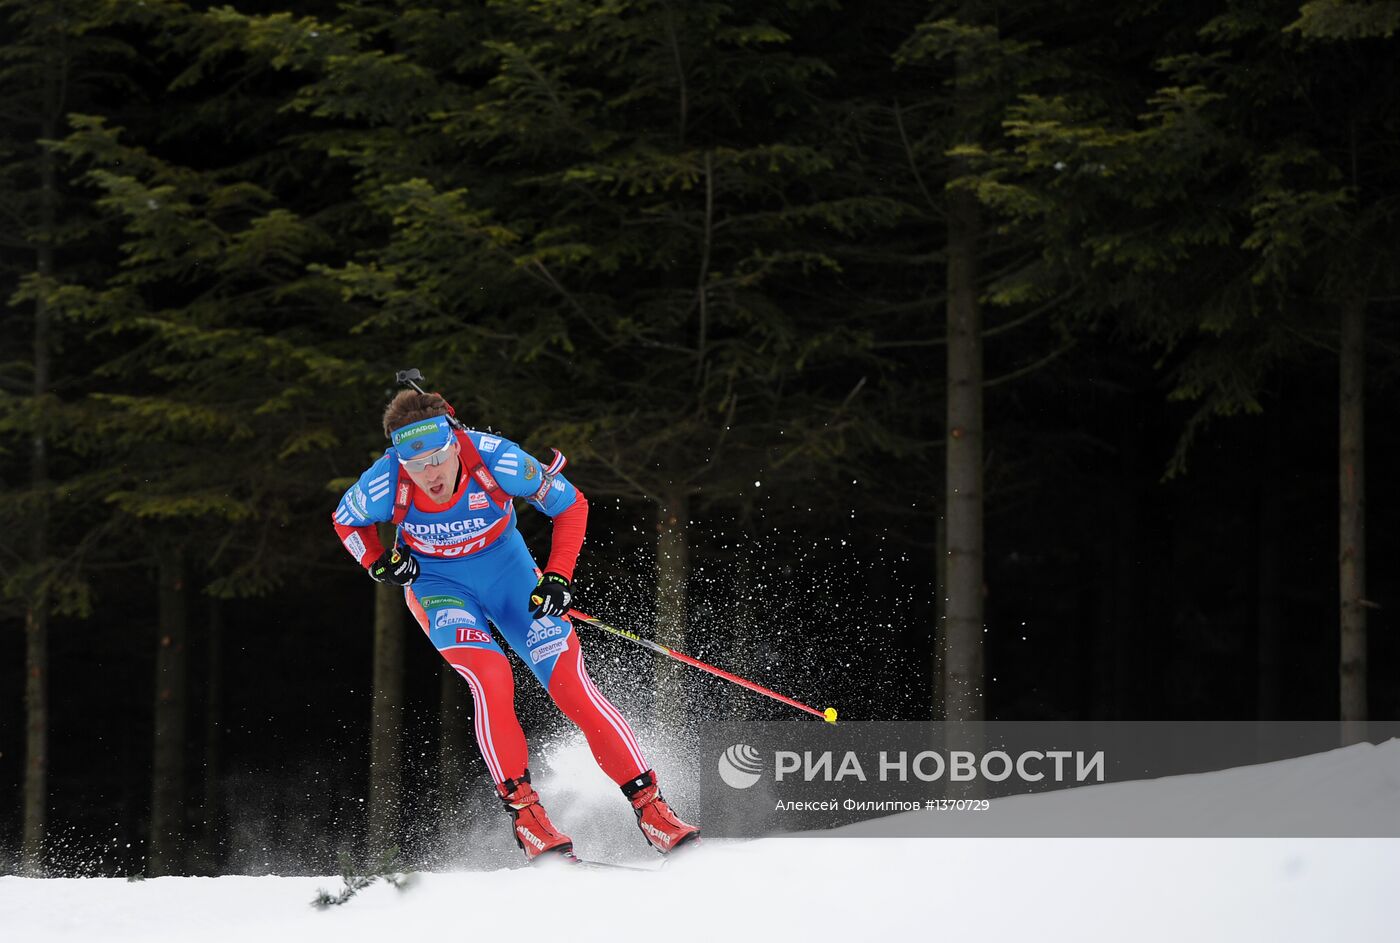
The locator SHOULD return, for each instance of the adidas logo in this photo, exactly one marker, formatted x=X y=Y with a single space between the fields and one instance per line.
x=529 y=836
x=656 y=833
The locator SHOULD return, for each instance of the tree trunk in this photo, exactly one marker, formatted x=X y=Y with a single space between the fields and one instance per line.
x=386 y=720
x=963 y=661
x=1352 y=452
x=1110 y=595
x=36 y=764
x=165 y=849
x=1130 y=640
x=672 y=573
x=36 y=615
x=1269 y=700
x=36 y=652
x=939 y=655
x=211 y=828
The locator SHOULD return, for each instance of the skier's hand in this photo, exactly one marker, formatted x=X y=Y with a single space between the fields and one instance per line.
x=551 y=596
x=395 y=566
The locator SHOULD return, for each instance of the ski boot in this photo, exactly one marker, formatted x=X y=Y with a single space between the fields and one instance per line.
x=663 y=830
x=534 y=832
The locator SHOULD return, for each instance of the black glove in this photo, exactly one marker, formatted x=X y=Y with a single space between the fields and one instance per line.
x=394 y=566
x=551 y=596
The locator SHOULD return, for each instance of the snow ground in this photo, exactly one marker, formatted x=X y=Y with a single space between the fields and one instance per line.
x=827 y=886
x=783 y=889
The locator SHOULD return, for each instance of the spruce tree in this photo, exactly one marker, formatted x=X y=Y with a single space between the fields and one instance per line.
x=1236 y=216
x=56 y=56
x=1004 y=317
x=223 y=392
x=603 y=210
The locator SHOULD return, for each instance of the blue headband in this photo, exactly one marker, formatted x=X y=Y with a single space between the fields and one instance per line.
x=422 y=437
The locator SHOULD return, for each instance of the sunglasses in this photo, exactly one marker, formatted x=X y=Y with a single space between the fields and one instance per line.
x=432 y=458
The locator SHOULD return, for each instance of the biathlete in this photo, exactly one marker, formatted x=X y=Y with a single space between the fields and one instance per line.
x=451 y=491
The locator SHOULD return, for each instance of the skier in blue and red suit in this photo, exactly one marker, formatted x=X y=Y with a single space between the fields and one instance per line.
x=451 y=491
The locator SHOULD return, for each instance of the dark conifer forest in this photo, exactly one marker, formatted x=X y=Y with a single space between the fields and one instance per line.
x=936 y=360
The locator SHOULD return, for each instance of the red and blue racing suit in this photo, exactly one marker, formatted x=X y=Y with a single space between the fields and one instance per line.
x=475 y=567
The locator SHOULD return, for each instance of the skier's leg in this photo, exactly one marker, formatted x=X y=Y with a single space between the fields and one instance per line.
x=615 y=749
x=455 y=624
x=458 y=630
x=608 y=734
x=551 y=648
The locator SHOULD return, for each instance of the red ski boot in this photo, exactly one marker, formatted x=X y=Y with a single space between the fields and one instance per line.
x=663 y=830
x=534 y=832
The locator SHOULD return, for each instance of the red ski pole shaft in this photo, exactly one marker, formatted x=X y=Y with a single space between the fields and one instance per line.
x=828 y=715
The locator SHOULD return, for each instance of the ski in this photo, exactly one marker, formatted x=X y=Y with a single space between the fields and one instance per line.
x=611 y=865
x=567 y=859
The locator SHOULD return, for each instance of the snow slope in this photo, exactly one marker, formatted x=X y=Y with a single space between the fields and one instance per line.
x=780 y=889
x=829 y=886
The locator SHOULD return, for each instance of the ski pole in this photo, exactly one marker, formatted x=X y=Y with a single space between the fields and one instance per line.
x=828 y=715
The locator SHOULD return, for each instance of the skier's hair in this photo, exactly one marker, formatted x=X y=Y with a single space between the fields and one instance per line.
x=411 y=406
